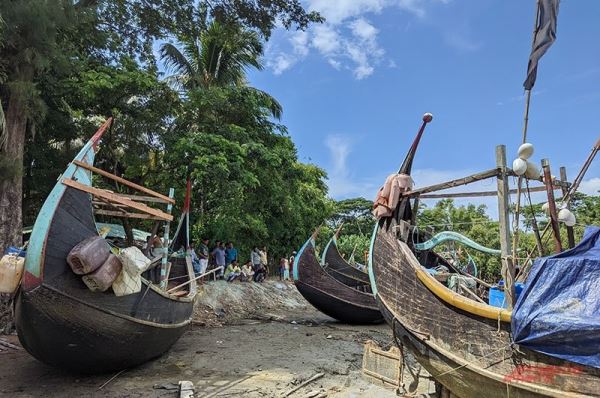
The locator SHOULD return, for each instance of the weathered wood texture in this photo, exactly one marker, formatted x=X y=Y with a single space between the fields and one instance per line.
x=64 y=324
x=330 y=296
x=124 y=181
x=470 y=355
x=340 y=269
x=508 y=270
x=115 y=198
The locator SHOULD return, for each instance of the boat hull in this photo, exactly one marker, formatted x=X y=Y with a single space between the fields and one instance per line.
x=80 y=338
x=331 y=296
x=61 y=322
x=337 y=308
x=469 y=354
x=339 y=268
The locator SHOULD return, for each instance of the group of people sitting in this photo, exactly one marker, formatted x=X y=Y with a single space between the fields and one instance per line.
x=224 y=257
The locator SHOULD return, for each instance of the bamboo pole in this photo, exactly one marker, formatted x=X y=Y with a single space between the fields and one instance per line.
x=508 y=271
x=478 y=193
x=454 y=183
x=552 y=205
x=195 y=279
x=570 y=231
x=163 y=266
x=534 y=224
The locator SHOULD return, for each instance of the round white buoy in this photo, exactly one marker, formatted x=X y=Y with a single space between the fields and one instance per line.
x=565 y=215
x=571 y=221
x=546 y=207
x=525 y=151
x=532 y=172
x=519 y=166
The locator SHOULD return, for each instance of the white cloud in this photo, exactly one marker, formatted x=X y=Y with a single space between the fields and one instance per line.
x=347 y=40
x=300 y=43
x=461 y=41
x=363 y=29
x=281 y=63
x=326 y=39
x=590 y=187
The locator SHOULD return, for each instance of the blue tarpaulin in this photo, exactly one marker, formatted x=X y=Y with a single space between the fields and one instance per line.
x=558 y=312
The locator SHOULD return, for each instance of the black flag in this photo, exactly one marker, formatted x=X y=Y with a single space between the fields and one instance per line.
x=545 y=34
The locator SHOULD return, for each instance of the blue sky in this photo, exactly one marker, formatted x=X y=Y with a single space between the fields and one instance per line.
x=354 y=89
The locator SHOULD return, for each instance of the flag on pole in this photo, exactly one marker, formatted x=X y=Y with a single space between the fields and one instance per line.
x=544 y=36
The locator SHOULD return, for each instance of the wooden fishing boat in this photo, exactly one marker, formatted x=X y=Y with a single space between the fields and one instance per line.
x=343 y=302
x=59 y=320
x=335 y=265
x=464 y=344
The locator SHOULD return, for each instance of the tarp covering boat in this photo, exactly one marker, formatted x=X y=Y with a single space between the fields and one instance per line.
x=558 y=312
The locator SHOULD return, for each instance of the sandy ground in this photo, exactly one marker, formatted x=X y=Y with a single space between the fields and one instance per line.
x=226 y=353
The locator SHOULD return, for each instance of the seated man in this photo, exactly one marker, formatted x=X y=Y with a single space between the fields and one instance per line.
x=260 y=273
x=232 y=271
x=247 y=272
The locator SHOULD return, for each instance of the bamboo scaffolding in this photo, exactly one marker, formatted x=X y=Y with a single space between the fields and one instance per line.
x=123 y=181
x=115 y=198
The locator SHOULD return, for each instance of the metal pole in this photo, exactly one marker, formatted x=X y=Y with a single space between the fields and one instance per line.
x=508 y=271
x=552 y=205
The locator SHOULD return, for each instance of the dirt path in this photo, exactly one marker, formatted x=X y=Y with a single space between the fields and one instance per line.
x=256 y=359
x=232 y=350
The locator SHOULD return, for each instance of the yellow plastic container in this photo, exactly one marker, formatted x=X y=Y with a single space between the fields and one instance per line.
x=11 y=271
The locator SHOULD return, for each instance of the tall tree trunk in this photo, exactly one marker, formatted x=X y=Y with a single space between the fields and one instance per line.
x=11 y=183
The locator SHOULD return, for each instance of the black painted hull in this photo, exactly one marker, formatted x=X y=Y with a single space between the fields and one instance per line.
x=338 y=308
x=73 y=336
x=62 y=323
x=332 y=297
x=340 y=269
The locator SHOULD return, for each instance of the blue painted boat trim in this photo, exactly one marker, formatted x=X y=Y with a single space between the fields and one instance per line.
x=370 y=264
x=332 y=240
x=298 y=255
x=39 y=234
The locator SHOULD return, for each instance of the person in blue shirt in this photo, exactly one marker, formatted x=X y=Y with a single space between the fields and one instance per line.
x=231 y=253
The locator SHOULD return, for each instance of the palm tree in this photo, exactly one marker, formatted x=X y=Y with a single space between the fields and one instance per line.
x=217 y=56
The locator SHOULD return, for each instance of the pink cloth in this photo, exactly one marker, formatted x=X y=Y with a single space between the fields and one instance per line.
x=389 y=195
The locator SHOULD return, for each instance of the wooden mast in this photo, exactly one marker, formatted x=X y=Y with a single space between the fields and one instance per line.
x=508 y=270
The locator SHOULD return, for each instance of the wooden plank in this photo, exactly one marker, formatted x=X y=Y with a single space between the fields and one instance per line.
x=114 y=213
x=558 y=183
x=454 y=183
x=476 y=194
x=508 y=271
x=142 y=198
x=552 y=206
x=100 y=193
x=123 y=181
x=570 y=232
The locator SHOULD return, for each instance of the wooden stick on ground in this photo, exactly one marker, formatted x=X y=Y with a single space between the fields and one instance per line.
x=305 y=383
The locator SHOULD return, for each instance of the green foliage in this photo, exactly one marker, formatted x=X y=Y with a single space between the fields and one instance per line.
x=75 y=63
x=355 y=215
x=248 y=185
